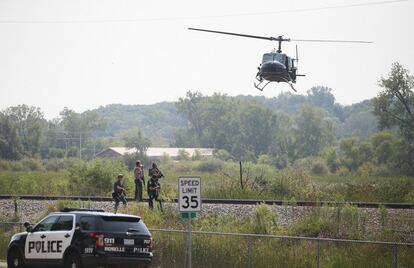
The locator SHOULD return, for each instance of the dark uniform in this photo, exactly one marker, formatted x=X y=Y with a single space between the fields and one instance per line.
x=119 y=195
x=153 y=187
x=139 y=183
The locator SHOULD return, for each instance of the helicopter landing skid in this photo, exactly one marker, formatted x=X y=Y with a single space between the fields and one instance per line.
x=258 y=85
x=290 y=84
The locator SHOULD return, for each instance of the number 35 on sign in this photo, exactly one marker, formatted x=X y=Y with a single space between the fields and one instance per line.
x=189 y=194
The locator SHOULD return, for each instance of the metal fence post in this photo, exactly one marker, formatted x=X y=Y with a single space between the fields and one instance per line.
x=249 y=252
x=189 y=241
x=318 y=256
x=395 y=250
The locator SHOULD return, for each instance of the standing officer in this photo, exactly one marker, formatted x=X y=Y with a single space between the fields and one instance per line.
x=119 y=192
x=154 y=186
x=139 y=180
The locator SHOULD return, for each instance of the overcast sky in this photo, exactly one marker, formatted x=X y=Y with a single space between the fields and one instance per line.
x=86 y=53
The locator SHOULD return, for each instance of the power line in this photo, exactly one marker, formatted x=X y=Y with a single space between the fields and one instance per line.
x=201 y=17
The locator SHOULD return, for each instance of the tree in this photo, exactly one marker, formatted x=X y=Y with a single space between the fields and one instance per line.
x=384 y=144
x=313 y=132
x=394 y=107
x=10 y=146
x=28 y=121
x=190 y=107
x=322 y=97
x=354 y=153
x=135 y=139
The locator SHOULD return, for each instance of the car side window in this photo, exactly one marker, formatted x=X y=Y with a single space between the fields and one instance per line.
x=88 y=223
x=46 y=224
x=64 y=223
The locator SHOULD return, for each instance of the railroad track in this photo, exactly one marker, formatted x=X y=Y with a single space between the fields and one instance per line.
x=226 y=201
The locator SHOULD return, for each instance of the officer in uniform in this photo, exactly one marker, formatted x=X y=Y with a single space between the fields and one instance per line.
x=139 y=180
x=119 y=192
x=154 y=186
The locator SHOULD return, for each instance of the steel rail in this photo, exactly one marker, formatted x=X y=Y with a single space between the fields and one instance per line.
x=227 y=201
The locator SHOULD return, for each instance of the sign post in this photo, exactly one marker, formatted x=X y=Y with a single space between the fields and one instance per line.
x=189 y=203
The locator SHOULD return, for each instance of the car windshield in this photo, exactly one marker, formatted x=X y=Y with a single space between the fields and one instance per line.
x=123 y=224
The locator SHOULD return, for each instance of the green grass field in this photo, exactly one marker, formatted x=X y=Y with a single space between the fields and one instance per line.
x=219 y=180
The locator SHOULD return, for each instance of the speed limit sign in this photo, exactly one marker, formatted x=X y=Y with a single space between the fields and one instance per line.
x=189 y=194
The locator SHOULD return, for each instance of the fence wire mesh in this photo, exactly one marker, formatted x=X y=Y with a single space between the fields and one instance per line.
x=216 y=250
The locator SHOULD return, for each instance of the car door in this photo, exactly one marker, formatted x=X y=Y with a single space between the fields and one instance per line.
x=36 y=246
x=60 y=236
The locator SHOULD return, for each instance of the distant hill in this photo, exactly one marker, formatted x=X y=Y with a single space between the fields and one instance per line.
x=157 y=121
x=160 y=121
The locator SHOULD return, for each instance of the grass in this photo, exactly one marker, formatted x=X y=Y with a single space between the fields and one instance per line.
x=219 y=180
x=232 y=251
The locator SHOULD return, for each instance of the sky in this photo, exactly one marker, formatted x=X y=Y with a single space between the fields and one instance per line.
x=86 y=53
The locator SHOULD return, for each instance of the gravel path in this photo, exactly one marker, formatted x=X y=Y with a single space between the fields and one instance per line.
x=401 y=220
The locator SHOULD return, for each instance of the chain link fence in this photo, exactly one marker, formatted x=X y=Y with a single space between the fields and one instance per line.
x=218 y=249
x=215 y=249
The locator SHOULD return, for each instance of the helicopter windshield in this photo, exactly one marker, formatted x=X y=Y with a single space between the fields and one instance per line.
x=274 y=57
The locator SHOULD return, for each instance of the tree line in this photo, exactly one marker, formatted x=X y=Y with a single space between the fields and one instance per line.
x=279 y=131
x=247 y=130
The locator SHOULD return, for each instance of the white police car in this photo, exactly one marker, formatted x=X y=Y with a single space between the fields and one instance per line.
x=82 y=238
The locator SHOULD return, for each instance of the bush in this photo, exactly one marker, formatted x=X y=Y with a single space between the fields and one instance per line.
x=196 y=155
x=312 y=226
x=319 y=168
x=343 y=171
x=264 y=219
x=95 y=177
x=31 y=164
x=183 y=155
x=222 y=155
x=265 y=159
x=210 y=165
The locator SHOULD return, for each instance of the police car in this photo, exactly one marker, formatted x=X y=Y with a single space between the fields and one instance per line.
x=82 y=238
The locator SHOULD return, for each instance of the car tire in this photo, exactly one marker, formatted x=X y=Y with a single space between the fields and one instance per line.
x=15 y=259
x=72 y=261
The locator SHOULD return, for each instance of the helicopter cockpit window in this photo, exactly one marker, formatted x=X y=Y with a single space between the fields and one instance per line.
x=274 y=57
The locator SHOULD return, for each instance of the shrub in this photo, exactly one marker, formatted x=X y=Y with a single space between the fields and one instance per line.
x=210 y=165
x=32 y=164
x=5 y=165
x=343 y=171
x=311 y=226
x=265 y=159
x=319 y=168
x=95 y=177
x=222 y=155
x=264 y=219
x=183 y=155
x=196 y=155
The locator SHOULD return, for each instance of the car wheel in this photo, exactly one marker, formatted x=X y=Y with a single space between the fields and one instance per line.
x=15 y=259
x=72 y=261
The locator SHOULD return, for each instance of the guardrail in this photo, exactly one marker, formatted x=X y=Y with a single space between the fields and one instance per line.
x=226 y=201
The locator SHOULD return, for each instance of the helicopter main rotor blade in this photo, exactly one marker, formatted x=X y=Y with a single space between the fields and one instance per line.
x=236 y=34
x=331 y=41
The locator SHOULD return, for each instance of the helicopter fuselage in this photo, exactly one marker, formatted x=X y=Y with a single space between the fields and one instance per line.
x=276 y=67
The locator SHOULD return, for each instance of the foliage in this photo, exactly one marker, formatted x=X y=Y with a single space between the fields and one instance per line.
x=135 y=139
x=264 y=219
x=209 y=165
x=96 y=177
x=10 y=145
x=394 y=107
x=222 y=155
x=28 y=121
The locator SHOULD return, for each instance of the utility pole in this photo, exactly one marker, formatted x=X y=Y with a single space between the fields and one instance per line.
x=80 y=145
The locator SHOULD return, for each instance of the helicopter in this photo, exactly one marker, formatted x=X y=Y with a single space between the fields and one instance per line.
x=277 y=66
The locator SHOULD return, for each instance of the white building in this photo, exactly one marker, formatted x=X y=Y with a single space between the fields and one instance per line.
x=154 y=152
